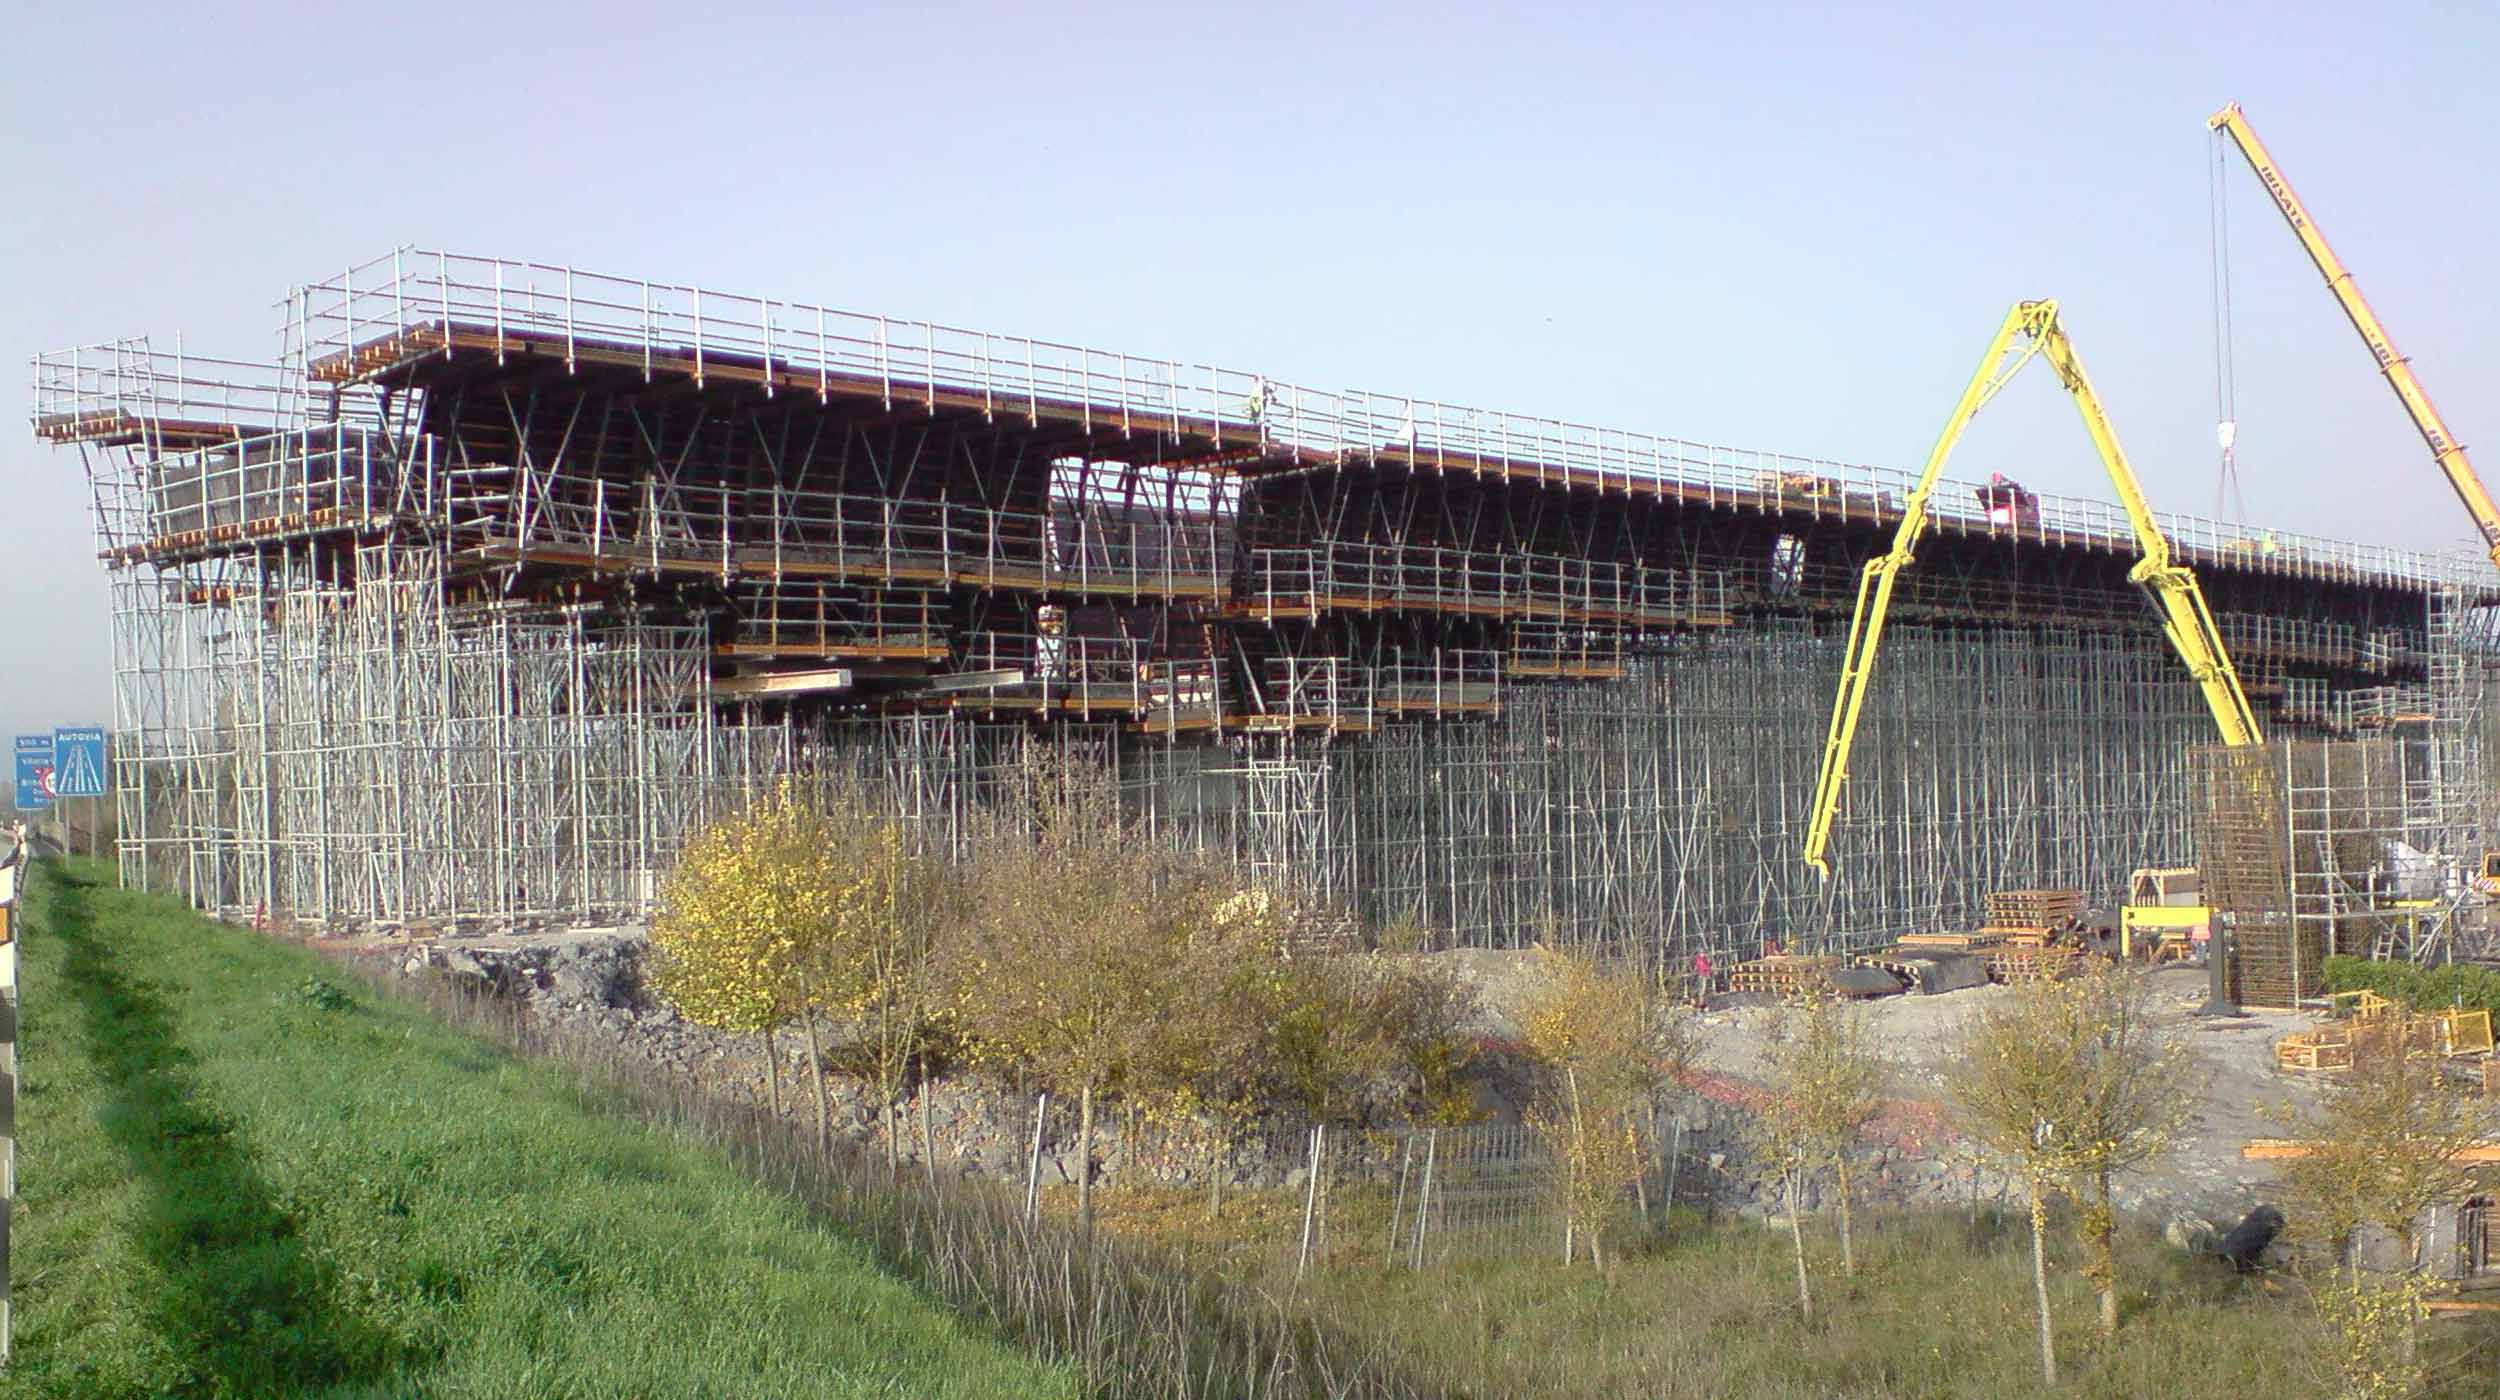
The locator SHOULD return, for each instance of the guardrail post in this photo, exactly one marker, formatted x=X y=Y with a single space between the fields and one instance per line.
x=12 y=871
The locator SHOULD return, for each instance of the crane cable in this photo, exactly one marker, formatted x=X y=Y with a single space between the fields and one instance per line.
x=2226 y=390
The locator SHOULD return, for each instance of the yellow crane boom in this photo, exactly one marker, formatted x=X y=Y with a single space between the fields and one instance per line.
x=2030 y=329
x=2445 y=449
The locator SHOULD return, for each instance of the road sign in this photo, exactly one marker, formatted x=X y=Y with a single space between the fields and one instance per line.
x=78 y=762
x=34 y=772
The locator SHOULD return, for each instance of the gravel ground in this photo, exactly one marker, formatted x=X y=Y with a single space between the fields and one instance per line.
x=2232 y=1080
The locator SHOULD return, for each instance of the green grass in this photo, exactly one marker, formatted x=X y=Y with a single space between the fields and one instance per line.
x=243 y=1174
x=1941 y=1306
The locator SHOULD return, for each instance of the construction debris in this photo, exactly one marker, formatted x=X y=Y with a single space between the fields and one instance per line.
x=1929 y=971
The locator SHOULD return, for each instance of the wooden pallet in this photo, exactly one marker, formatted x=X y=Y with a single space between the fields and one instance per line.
x=2014 y=966
x=1951 y=942
x=1783 y=975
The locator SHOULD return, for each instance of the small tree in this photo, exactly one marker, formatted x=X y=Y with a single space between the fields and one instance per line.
x=1823 y=1078
x=884 y=978
x=2126 y=1111
x=747 y=917
x=2384 y=1148
x=1824 y=1081
x=1597 y=1032
x=1208 y=1055
x=1078 y=933
x=2068 y=1083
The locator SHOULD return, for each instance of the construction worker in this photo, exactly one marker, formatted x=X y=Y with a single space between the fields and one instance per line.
x=1701 y=980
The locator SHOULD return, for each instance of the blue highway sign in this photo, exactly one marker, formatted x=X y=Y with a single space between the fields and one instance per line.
x=34 y=772
x=78 y=762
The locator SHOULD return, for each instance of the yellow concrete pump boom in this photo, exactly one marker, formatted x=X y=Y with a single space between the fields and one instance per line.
x=2446 y=450
x=2031 y=328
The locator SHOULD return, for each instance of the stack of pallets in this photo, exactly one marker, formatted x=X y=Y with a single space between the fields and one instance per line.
x=2031 y=918
x=1783 y=975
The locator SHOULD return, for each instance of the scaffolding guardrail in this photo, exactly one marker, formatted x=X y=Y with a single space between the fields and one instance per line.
x=409 y=302
x=126 y=387
x=1443 y=681
x=292 y=482
x=2294 y=638
x=775 y=531
x=413 y=301
x=1320 y=691
x=807 y=618
x=1306 y=580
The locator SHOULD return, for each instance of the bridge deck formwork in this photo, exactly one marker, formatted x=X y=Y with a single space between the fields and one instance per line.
x=504 y=576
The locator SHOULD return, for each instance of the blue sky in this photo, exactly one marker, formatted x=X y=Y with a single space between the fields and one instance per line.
x=1788 y=227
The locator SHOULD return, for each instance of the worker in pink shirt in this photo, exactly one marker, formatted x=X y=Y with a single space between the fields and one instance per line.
x=1701 y=981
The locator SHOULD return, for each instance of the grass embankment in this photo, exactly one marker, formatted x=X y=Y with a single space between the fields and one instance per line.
x=242 y=1174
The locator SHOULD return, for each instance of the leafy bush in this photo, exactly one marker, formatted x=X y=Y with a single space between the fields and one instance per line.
x=322 y=996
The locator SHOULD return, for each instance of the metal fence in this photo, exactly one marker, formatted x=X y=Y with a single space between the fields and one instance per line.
x=1340 y=1196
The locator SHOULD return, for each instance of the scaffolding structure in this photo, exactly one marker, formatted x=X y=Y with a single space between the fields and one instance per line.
x=504 y=577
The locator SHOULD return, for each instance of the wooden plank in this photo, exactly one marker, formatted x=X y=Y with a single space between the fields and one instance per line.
x=2279 y=1149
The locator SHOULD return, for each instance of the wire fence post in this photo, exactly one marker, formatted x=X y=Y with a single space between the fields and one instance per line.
x=1310 y=1201
x=1397 y=1200
x=1675 y=1163
x=1423 y=1194
x=1033 y=1161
